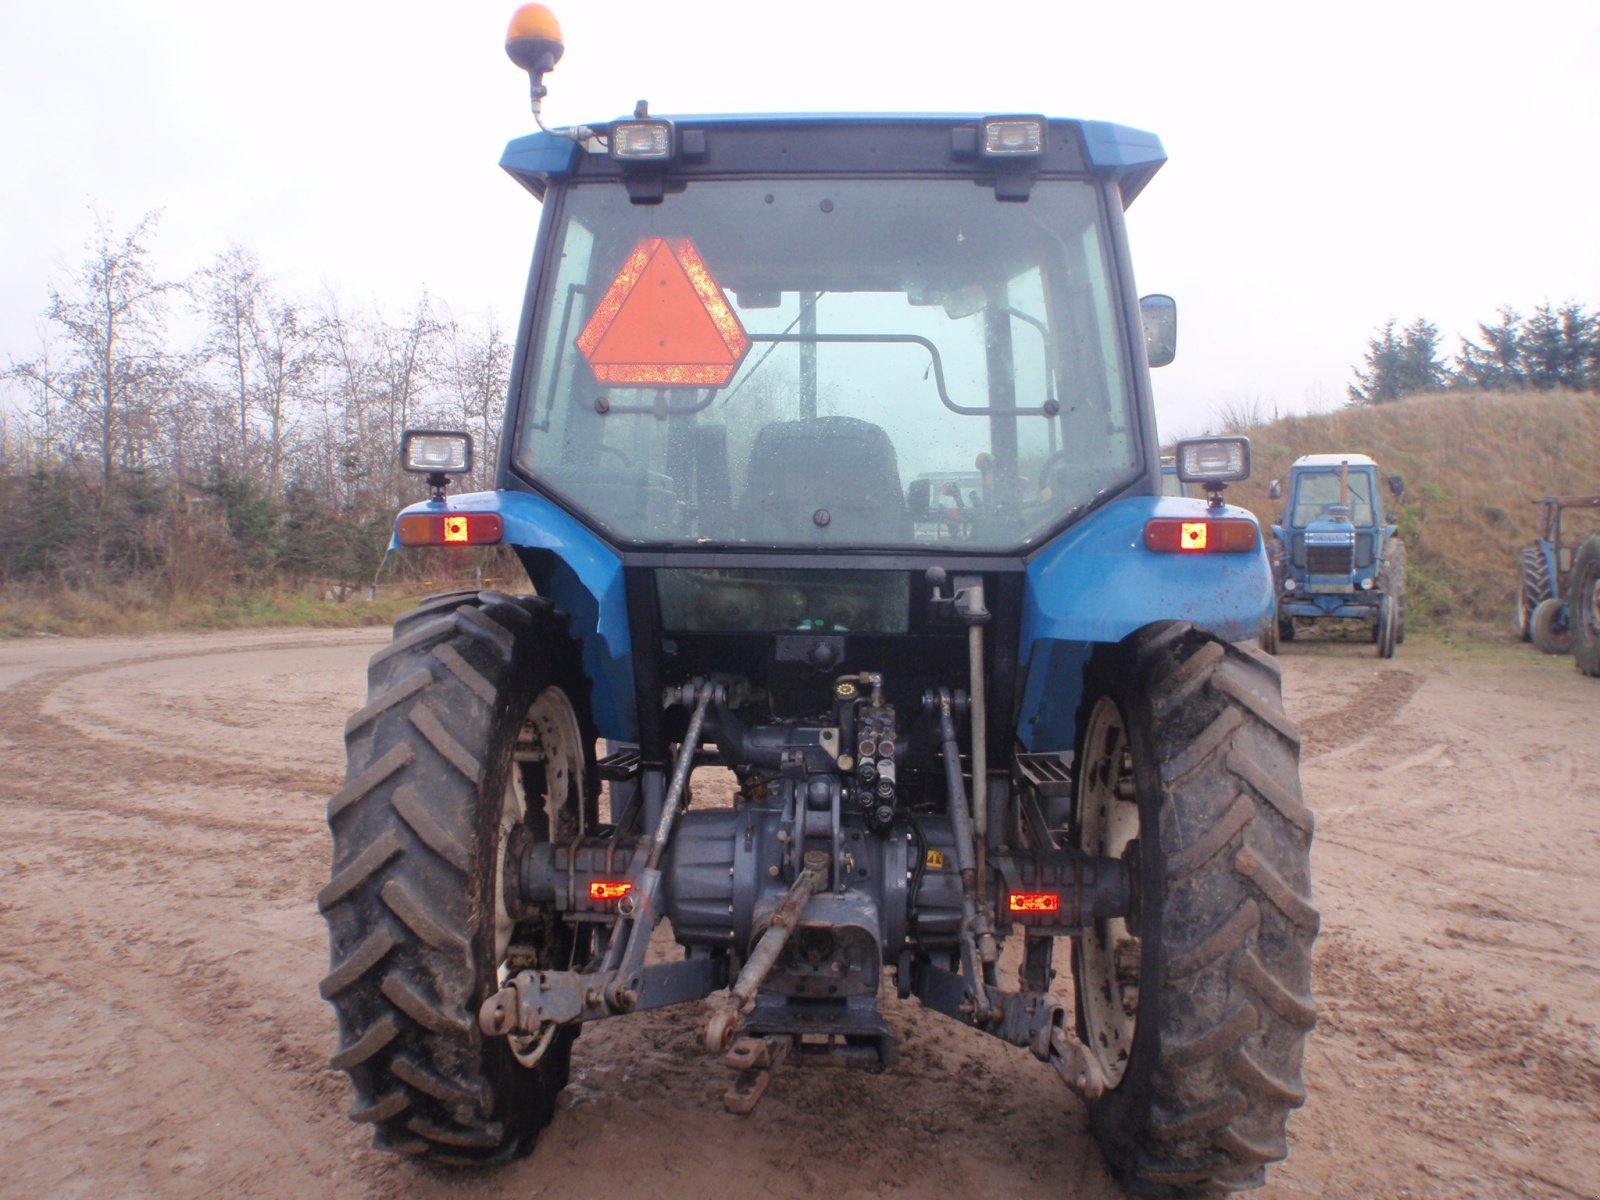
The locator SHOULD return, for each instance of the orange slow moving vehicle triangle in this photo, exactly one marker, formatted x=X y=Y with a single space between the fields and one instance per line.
x=664 y=322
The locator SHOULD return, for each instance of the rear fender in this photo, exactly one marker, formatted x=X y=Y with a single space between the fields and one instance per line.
x=582 y=577
x=1097 y=584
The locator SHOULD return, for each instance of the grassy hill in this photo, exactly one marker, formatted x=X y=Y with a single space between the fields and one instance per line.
x=1472 y=464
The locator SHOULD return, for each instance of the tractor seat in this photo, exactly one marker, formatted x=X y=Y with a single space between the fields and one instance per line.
x=840 y=466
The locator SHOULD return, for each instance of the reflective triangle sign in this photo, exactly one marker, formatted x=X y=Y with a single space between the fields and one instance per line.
x=664 y=322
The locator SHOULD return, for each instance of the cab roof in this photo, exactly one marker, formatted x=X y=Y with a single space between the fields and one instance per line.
x=866 y=142
x=1333 y=460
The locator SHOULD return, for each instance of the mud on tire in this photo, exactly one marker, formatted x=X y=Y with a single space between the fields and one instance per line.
x=1226 y=918
x=411 y=904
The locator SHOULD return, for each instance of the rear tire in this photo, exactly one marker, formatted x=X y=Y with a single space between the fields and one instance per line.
x=1215 y=969
x=1552 y=631
x=1583 y=606
x=1533 y=585
x=476 y=724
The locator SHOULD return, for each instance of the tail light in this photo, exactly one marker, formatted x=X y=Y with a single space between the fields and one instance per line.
x=449 y=529
x=1206 y=535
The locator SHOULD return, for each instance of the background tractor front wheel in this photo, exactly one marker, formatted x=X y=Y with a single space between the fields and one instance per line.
x=1198 y=1005
x=1270 y=631
x=476 y=727
x=1386 y=629
x=1552 y=631
x=1392 y=582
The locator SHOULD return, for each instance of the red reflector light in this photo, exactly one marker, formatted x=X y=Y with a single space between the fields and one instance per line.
x=448 y=529
x=1209 y=535
x=601 y=890
x=1033 y=902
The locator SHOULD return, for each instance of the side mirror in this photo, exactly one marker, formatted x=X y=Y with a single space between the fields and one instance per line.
x=917 y=499
x=1275 y=490
x=1160 y=329
x=1397 y=486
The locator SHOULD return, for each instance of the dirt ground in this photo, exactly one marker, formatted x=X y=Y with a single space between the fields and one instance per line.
x=161 y=812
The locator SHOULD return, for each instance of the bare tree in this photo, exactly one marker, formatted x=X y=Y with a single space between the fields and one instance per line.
x=116 y=370
x=1242 y=414
x=477 y=364
x=267 y=355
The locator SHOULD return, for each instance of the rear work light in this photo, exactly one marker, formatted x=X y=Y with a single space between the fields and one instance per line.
x=1213 y=460
x=649 y=141
x=448 y=529
x=1207 y=535
x=436 y=451
x=1008 y=136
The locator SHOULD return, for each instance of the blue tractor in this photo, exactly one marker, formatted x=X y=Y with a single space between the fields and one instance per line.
x=751 y=348
x=1544 y=571
x=1334 y=552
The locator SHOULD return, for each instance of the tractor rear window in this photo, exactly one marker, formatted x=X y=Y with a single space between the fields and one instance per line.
x=895 y=363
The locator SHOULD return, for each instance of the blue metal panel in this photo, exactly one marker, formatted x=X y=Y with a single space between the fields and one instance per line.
x=587 y=586
x=1111 y=145
x=534 y=158
x=1097 y=584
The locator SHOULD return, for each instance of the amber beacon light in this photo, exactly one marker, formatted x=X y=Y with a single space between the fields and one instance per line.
x=533 y=39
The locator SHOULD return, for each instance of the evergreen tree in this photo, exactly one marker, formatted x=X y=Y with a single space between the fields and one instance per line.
x=1497 y=364
x=1554 y=347
x=1399 y=363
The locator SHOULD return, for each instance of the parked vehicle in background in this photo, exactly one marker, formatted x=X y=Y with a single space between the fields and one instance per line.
x=1334 y=552
x=1544 y=570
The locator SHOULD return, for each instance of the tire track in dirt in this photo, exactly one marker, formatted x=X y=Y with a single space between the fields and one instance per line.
x=209 y=1066
x=42 y=742
x=1372 y=709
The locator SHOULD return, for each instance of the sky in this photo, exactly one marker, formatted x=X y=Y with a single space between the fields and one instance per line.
x=1330 y=166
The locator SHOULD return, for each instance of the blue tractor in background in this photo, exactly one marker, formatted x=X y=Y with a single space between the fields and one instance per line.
x=1544 y=571
x=1334 y=552
x=752 y=348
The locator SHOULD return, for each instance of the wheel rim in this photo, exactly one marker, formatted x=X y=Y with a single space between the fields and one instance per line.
x=1107 y=821
x=543 y=791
